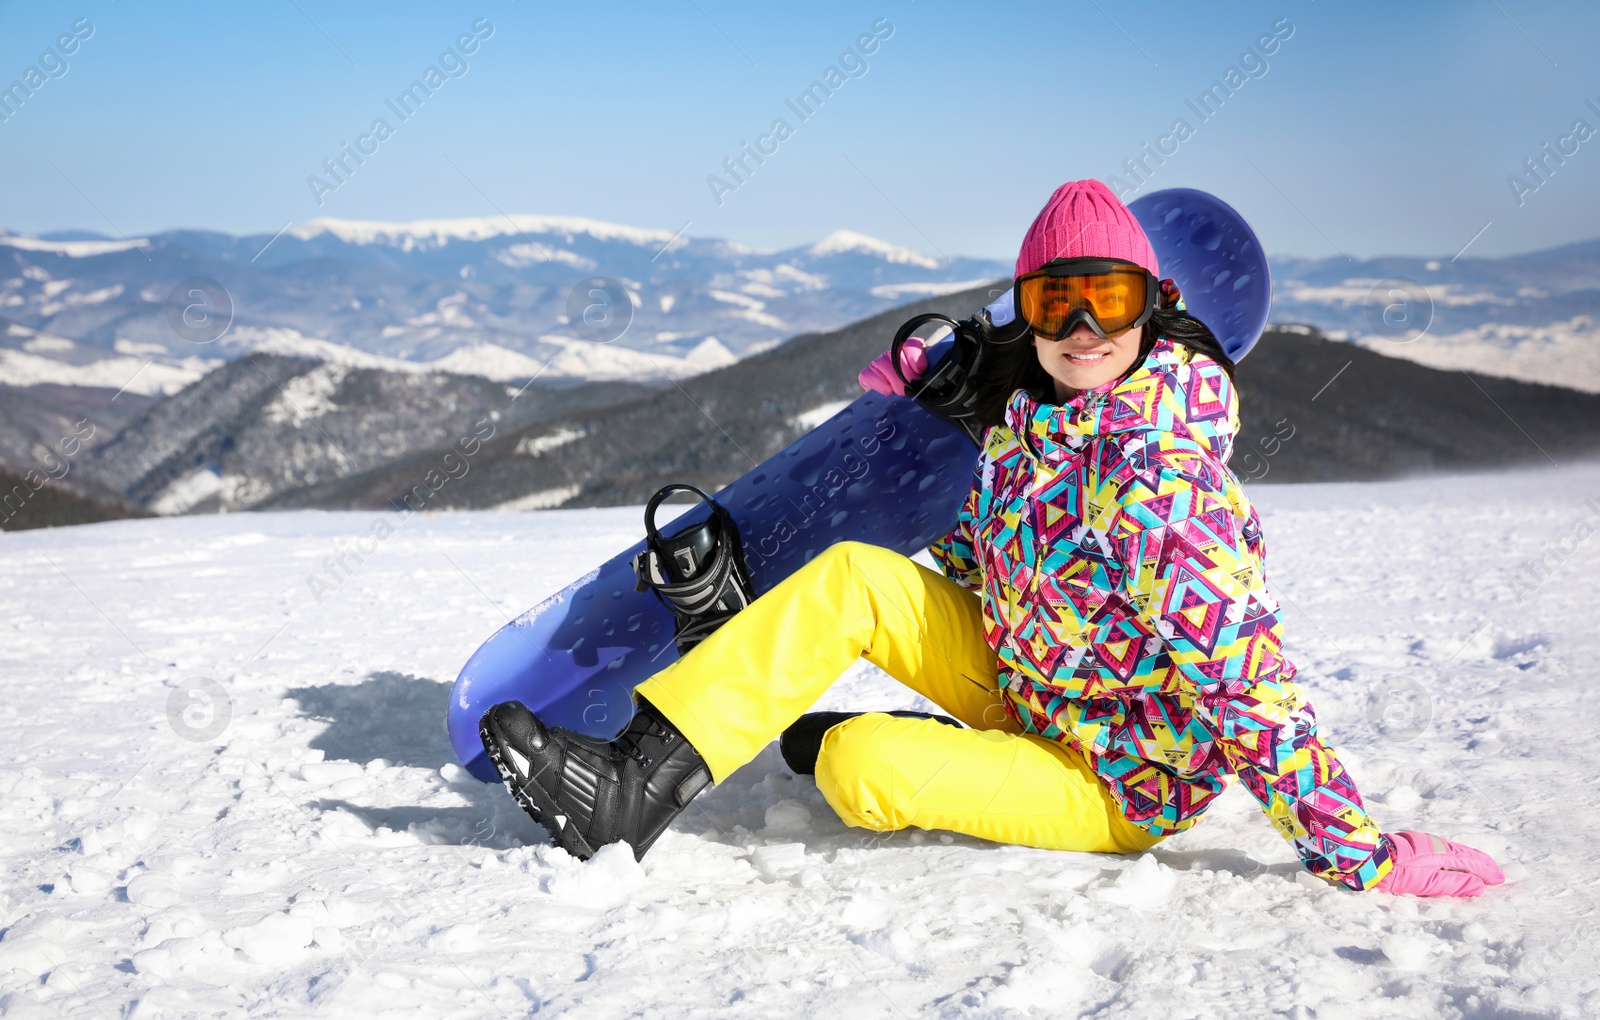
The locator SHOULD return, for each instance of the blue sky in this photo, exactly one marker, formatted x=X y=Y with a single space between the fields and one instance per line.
x=1376 y=128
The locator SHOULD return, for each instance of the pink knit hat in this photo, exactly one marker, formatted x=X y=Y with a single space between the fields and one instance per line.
x=1084 y=219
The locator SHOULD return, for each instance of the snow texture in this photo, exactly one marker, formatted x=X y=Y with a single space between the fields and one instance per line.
x=228 y=792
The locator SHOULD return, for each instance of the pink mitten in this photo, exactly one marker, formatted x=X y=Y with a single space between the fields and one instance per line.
x=879 y=377
x=1427 y=865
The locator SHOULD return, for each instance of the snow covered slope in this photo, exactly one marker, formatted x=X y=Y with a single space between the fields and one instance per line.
x=1531 y=317
x=311 y=850
x=31 y=358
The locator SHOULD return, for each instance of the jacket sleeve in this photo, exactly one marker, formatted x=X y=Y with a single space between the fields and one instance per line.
x=1195 y=579
x=955 y=552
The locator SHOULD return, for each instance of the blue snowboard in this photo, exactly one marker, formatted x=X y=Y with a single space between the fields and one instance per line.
x=883 y=471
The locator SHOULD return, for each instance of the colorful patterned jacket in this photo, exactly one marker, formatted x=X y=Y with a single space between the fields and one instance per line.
x=1122 y=573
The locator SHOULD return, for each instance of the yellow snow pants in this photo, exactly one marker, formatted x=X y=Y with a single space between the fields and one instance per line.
x=746 y=683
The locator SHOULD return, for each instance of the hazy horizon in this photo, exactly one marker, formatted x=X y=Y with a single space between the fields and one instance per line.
x=84 y=233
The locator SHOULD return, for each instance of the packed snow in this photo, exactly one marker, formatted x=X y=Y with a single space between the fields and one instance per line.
x=227 y=791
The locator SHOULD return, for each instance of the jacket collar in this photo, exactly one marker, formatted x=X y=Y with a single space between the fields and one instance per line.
x=1175 y=391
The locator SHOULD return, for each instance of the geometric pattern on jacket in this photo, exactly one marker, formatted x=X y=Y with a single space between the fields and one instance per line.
x=1123 y=575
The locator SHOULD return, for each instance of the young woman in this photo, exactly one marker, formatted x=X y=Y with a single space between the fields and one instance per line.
x=1103 y=627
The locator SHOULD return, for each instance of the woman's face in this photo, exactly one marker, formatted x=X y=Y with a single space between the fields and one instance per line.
x=1082 y=361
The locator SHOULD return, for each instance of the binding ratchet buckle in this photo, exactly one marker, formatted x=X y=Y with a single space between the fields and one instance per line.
x=948 y=390
x=700 y=573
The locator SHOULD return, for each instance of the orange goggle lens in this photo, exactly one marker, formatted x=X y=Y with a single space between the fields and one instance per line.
x=1114 y=300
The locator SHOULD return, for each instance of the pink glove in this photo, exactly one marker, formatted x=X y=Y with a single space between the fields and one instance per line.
x=879 y=376
x=1426 y=865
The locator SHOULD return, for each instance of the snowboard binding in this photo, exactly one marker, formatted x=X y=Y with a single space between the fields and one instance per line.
x=699 y=574
x=949 y=391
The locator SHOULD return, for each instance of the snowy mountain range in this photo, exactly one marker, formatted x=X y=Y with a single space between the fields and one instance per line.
x=271 y=432
x=492 y=297
x=312 y=367
x=1534 y=317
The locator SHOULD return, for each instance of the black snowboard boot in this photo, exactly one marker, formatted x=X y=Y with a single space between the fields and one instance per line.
x=802 y=741
x=587 y=792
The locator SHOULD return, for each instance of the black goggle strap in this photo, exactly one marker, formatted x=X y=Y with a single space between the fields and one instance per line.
x=947 y=390
x=699 y=573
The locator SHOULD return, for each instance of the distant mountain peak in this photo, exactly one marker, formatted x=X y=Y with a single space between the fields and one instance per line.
x=436 y=233
x=849 y=240
x=711 y=353
x=80 y=249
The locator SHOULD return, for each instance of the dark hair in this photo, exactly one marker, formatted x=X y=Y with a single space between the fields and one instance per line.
x=1009 y=362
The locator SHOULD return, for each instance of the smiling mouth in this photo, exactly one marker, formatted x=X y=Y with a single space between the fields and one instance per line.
x=1088 y=358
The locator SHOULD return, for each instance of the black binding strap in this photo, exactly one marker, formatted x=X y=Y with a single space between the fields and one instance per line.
x=948 y=390
x=699 y=573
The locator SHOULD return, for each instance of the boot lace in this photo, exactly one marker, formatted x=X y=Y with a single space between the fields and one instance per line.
x=629 y=741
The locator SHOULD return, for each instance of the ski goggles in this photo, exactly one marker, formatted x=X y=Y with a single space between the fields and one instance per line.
x=1109 y=295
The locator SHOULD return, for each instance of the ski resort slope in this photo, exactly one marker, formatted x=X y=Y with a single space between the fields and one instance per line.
x=299 y=842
